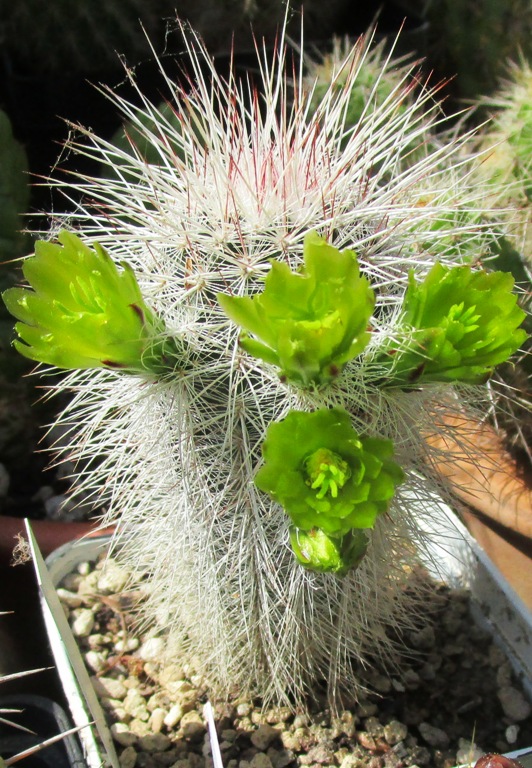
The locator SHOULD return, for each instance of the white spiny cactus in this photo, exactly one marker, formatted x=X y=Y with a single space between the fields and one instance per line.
x=242 y=177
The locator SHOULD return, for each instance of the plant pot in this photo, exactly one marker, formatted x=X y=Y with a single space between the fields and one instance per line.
x=482 y=474
x=452 y=554
x=46 y=719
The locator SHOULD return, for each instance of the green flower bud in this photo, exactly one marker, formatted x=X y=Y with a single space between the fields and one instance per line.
x=458 y=324
x=317 y=551
x=84 y=312
x=308 y=324
x=324 y=474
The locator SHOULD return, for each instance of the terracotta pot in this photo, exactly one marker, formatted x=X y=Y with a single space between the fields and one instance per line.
x=497 y=496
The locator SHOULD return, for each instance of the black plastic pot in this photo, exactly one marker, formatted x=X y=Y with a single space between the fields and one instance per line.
x=46 y=719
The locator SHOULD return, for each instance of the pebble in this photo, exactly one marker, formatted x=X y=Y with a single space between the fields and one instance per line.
x=135 y=705
x=71 y=599
x=154 y=742
x=424 y=639
x=128 y=758
x=280 y=757
x=351 y=761
x=175 y=713
x=112 y=579
x=157 y=719
x=123 y=735
x=83 y=623
x=96 y=660
x=321 y=754
x=150 y=721
x=515 y=707
x=109 y=687
x=152 y=649
x=264 y=736
x=395 y=732
x=260 y=760
x=468 y=752
x=433 y=736
x=192 y=726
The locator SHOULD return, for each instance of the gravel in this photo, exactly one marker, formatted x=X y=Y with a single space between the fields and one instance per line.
x=456 y=699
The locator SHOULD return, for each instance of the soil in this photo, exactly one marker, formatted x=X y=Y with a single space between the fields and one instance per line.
x=455 y=698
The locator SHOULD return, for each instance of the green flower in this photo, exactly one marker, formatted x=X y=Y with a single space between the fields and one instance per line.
x=308 y=324
x=84 y=312
x=317 y=551
x=457 y=325
x=324 y=474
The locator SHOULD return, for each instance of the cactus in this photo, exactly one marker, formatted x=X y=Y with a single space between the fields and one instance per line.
x=263 y=484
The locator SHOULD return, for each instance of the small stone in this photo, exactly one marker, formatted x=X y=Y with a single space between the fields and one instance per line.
x=108 y=686
x=290 y=741
x=366 y=709
x=411 y=680
x=468 y=753
x=192 y=726
x=83 y=623
x=395 y=732
x=433 y=736
x=344 y=724
x=154 y=742
x=135 y=705
x=123 y=735
x=112 y=579
x=156 y=720
x=515 y=707
x=69 y=598
x=71 y=582
x=300 y=721
x=504 y=675
x=127 y=645
x=278 y=715
x=419 y=756
x=511 y=734
x=139 y=727
x=322 y=754
x=264 y=736
x=280 y=757
x=175 y=713
x=128 y=758
x=152 y=649
x=243 y=709
x=423 y=640
x=84 y=568
x=97 y=640
x=95 y=660
x=89 y=584
x=260 y=760
x=374 y=727
x=352 y=761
